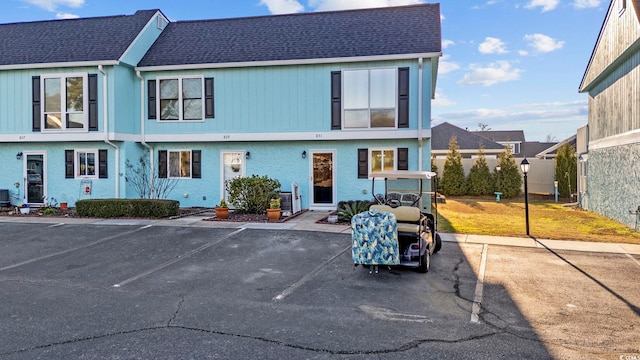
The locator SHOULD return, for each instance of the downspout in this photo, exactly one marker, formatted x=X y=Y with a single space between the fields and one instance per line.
x=420 y=115
x=143 y=135
x=105 y=115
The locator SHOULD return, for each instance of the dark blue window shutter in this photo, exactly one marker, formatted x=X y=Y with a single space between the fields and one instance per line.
x=336 y=100
x=363 y=163
x=151 y=98
x=35 y=104
x=68 y=164
x=93 y=102
x=162 y=164
x=403 y=159
x=103 y=170
x=403 y=97
x=196 y=167
x=209 y=108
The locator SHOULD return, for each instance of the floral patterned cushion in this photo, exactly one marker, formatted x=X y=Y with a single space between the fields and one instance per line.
x=374 y=238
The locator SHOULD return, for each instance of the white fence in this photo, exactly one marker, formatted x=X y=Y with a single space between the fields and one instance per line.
x=539 y=179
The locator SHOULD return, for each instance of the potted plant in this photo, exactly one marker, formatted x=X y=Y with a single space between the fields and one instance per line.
x=24 y=208
x=222 y=210
x=273 y=212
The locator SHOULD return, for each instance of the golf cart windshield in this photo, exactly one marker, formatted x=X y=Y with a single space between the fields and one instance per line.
x=400 y=187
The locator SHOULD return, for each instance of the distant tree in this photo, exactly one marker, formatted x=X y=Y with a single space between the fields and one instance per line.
x=566 y=170
x=510 y=180
x=551 y=138
x=434 y=168
x=453 y=179
x=479 y=181
x=483 y=127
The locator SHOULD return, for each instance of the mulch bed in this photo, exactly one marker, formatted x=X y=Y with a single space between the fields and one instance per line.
x=255 y=218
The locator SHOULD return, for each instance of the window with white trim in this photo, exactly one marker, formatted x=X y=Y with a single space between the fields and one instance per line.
x=369 y=98
x=382 y=160
x=86 y=163
x=181 y=99
x=179 y=164
x=65 y=102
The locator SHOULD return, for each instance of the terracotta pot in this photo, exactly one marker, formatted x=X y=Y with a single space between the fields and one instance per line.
x=63 y=206
x=222 y=213
x=273 y=214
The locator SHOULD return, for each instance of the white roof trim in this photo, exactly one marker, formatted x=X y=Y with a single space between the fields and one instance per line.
x=290 y=62
x=59 y=65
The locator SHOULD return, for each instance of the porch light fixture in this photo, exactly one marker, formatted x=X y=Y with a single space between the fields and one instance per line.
x=304 y=154
x=247 y=155
x=19 y=155
x=524 y=167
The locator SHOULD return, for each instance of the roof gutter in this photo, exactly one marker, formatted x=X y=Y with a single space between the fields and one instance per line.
x=289 y=62
x=143 y=135
x=59 y=65
x=105 y=116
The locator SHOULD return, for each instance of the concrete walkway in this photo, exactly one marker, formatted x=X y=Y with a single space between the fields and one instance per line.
x=308 y=222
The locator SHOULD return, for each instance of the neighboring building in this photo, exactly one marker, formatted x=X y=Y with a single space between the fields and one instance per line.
x=512 y=138
x=609 y=147
x=548 y=150
x=317 y=99
x=469 y=143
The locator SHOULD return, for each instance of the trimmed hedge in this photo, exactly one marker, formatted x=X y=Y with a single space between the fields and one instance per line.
x=137 y=208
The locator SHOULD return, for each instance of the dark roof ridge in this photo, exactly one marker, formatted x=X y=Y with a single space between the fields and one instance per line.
x=138 y=12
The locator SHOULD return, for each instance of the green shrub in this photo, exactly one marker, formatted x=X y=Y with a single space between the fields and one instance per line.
x=137 y=208
x=566 y=170
x=251 y=195
x=453 y=179
x=49 y=211
x=480 y=181
x=510 y=178
x=347 y=209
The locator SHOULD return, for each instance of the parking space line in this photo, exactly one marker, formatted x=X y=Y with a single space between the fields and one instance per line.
x=179 y=258
x=55 y=225
x=72 y=249
x=477 y=298
x=308 y=277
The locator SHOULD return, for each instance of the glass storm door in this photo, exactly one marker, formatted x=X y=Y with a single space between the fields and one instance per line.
x=323 y=178
x=34 y=178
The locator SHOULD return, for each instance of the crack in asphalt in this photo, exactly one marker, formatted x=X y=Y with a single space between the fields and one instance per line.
x=405 y=347
x=175 y=314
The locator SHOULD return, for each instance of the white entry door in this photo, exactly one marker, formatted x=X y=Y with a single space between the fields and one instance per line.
x=233 y=166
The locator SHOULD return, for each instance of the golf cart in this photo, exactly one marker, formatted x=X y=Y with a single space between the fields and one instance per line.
x=395 y=230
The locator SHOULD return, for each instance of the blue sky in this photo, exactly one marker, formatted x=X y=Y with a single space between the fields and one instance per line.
x=508 y=64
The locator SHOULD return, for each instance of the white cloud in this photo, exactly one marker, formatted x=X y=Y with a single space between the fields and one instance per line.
x=492 y=45
x=491 y=74
x=543 y=43
x=523 y=52
x=282 y=6
x=584 y=4
x=323 y=5
x=441 y=100
x=66 y=16
x=447 y=43
x=446 y=66
x=52 y=5
x=546 y=5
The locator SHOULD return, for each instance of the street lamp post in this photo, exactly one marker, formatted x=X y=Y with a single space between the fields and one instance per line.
x=524 y=167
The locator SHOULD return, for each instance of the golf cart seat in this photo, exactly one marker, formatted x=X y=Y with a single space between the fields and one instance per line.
x=408 y=218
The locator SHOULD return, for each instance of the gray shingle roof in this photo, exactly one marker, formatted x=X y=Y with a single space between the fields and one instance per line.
x=70 y=40
x=320 y=35
x=442 y=133
x=502 y=135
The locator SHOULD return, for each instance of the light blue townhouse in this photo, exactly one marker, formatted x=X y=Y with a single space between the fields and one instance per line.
x=315 y=100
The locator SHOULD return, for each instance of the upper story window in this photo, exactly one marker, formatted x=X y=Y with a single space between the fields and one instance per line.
x=369 y=98
x=181 y=99
x=65 y=102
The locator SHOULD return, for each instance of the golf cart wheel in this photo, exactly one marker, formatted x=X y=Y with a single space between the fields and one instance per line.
x=438 y=243
x=425 y=262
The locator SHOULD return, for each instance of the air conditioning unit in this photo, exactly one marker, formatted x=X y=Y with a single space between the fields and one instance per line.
x=4 y=197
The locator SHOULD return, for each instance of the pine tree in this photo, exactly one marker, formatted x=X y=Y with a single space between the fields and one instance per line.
x=453 y=179
x=479 y=181
x=510 y=180
x=566 y=170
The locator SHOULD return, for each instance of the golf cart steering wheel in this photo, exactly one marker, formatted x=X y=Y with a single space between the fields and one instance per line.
x=394 y=203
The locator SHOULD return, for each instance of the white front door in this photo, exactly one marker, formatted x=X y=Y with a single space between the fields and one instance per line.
x=233 y=166
x=323 y=179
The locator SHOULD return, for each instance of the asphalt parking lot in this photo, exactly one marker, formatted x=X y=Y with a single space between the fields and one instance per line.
x=149 y=291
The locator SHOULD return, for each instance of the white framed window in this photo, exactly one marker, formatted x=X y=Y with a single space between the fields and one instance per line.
x=370 y=98
x=179 y=164
x=180 y=99
x=65 y=102
x=86 y=163
x=382 y=160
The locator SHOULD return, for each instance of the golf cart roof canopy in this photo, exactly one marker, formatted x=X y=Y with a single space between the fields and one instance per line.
x=395 y=175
